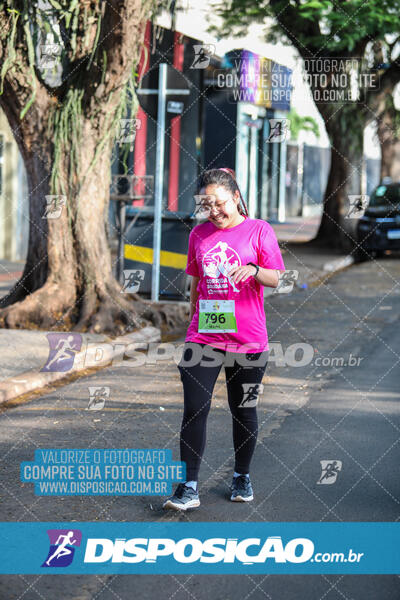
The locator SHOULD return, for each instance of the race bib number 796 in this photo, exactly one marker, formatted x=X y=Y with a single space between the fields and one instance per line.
x=217 y=316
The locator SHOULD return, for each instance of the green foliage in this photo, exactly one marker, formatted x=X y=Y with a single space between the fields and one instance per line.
x=298 y=123
x=329 y=29
x=322 y=26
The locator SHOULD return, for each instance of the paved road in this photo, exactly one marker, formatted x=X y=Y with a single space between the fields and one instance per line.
x=310 y=413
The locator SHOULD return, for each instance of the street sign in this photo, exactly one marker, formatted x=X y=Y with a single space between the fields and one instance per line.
x=174 y=107
x=163 y=92
x=178 y=91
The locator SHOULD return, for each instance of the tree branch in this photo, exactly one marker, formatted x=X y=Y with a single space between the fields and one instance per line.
x=20 y=78
x=117 y=48
x=297 y=29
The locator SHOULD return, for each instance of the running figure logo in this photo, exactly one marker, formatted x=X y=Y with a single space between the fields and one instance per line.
x=287 y=279
x=279 y=130
x=251 y=392
x=202 y=56
x=330 y=470
x=54 y=206
x=216 y=262
x=97 y=397
x=357 y=206
x=62 y=547
x=63 y=347
x=132 y=279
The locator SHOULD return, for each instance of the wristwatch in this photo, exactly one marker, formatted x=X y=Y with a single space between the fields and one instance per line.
x=256 y=266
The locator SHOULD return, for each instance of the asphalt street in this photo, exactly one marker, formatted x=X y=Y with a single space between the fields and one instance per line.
x=343 y=405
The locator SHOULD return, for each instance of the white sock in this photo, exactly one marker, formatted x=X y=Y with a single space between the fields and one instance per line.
x=237 y=474
x=192 y=484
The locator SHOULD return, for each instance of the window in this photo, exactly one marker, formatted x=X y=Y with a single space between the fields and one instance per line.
x=386 y=196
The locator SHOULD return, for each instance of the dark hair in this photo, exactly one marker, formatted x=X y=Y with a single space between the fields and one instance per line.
x=226 y=178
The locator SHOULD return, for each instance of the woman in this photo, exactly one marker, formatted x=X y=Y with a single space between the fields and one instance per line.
x=230 y=257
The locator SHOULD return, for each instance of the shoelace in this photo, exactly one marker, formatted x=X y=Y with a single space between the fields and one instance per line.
x=243 y=481
x=180 y=490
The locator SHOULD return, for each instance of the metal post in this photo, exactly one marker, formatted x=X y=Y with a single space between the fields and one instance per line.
x=121 y=242
x=159 y=181
x=253 y=174
x=282 y=182
x=300 y=178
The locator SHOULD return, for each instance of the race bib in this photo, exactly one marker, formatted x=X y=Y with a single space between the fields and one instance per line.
x=217 y=316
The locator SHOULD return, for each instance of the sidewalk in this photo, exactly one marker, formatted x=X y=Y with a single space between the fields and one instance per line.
x=313 y=265
x=296 y=229
x=24 y=353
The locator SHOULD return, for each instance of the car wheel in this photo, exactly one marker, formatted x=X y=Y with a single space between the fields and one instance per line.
x=361 y=255
x=378 y=253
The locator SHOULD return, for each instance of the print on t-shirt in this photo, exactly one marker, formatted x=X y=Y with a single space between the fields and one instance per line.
x=217 y=261
x=211 y=255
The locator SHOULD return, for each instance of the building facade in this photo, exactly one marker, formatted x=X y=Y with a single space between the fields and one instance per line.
x=14 y=201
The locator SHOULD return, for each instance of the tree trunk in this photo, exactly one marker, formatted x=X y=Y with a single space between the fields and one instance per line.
x=65 y=135
x=344 y=179
x=388 y=136
x=67 y=281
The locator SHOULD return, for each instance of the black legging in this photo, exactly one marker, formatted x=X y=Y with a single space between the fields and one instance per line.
x=198 y=385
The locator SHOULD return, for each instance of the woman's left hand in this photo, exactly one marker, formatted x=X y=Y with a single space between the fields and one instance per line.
x=242 y=273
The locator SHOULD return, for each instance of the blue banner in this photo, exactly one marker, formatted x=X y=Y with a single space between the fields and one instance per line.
x=218 y=548
x=102 y=472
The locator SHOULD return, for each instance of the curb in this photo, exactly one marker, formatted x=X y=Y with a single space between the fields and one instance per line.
x=329 y=269
x=339 y=264
x=13 y=387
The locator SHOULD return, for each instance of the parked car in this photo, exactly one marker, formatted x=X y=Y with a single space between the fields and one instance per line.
x=379 y=227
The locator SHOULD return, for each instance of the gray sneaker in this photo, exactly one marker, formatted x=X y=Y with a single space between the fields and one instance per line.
x=241 y=489
x=184 y=497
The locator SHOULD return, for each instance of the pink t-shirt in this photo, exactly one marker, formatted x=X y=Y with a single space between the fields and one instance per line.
x=210 y=249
